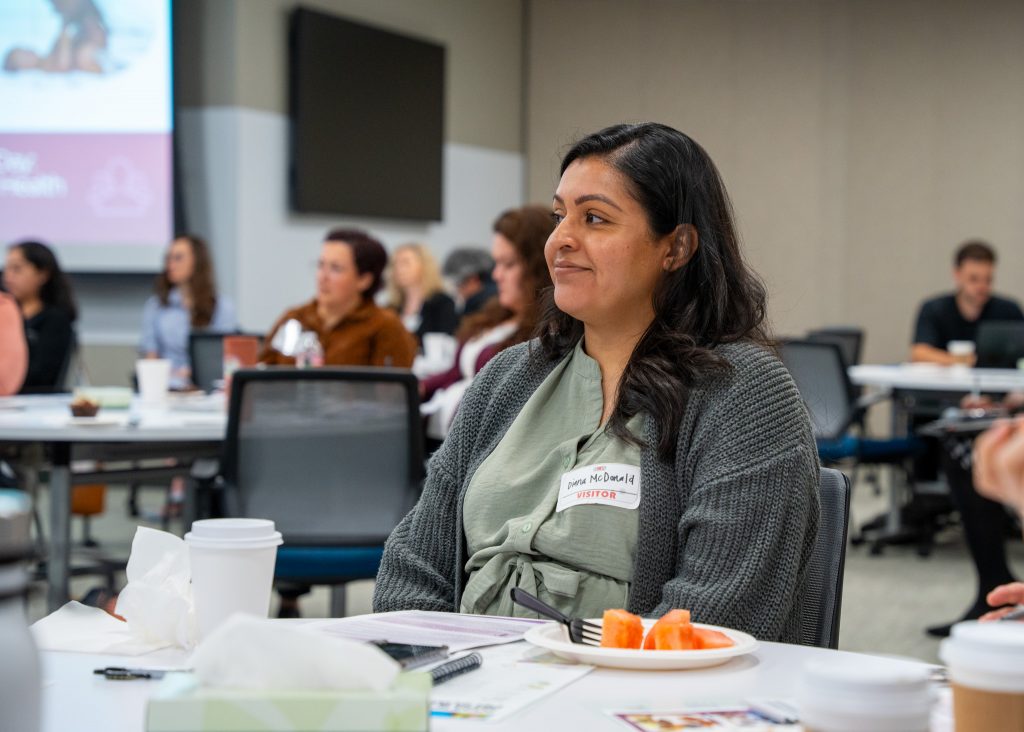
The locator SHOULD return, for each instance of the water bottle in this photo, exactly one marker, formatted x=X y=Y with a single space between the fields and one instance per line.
x=309 y=354
x=19 y=668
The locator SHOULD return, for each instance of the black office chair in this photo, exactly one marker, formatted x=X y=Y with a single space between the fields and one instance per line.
x=850 y=340
x=206 y=354
x=334 y=456
x=819 y=371
x=819 y=625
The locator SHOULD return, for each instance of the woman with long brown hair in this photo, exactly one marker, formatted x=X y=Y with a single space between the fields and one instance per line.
x=510 y=317
x=186 y=300
x=652 y=378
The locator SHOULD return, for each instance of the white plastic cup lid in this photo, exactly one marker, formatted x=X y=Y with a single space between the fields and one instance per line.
x=988 y=652
x=866 y=686
x=233 y=533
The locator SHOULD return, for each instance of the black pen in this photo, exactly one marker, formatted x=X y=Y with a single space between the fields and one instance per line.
x=451 y=669
x=118 y=673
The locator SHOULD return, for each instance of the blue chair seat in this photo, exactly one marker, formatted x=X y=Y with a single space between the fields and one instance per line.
x=327 y=564
x=870 y=451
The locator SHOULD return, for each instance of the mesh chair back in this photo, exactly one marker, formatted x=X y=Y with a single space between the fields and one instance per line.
x=849 y=339
x=206 y=354
x=820 y=620
x=333 y=456
x=820 y=375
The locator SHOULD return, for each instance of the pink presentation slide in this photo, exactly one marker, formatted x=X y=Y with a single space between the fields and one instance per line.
x=86 y=125
x=95 y=187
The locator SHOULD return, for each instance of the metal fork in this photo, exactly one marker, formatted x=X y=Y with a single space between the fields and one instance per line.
x=580 y=631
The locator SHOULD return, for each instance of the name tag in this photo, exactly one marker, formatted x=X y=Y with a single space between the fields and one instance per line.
x=608 y=484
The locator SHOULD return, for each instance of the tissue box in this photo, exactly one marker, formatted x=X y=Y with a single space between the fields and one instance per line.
x=181 y=705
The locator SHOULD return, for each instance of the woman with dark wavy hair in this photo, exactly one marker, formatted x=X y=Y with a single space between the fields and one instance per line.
x=33 y=276
x=649 y=451
x=185 y=300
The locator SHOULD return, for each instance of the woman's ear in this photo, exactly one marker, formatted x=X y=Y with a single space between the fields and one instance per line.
x=364 y=281
x=683 y=243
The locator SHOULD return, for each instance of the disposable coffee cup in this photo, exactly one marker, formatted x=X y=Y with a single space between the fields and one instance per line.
x=962 y=352
x=857 y=693
x=154 y=377
x=232 y=568
x=986 y=673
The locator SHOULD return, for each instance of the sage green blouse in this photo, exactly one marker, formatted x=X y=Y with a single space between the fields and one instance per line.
x=579 y=559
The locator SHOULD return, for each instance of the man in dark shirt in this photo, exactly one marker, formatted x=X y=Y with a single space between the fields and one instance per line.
x=955 y=317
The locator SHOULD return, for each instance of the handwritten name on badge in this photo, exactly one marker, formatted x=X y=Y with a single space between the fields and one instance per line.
x=608 y=484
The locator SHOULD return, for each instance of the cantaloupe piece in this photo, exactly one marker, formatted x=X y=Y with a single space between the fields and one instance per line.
x=621 y=629
x=707 y=638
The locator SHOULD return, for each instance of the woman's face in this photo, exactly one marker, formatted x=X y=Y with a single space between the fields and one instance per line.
x=604 y=260
x=508 y=274
x=338 y=282
x=22 y=278
x=407 y=268
x=180 y=262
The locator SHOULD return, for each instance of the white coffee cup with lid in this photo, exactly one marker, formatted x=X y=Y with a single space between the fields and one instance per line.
x=962 y=353
x=232 y=563
x=986 y=673
x=856 y=693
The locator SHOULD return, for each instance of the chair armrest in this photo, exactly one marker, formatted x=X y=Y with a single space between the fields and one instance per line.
x=867 y=401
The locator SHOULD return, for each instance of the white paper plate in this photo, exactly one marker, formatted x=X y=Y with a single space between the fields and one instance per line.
x=94 y=421
x=554 y=638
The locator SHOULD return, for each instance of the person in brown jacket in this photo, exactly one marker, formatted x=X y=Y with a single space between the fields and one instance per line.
x=352 y=330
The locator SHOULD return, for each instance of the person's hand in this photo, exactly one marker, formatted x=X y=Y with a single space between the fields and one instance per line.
x=1011 y=594
x=975 y=401
x=999 y=463
x=1014 y=401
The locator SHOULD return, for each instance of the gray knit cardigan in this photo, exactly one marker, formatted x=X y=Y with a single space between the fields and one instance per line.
x=726 y=528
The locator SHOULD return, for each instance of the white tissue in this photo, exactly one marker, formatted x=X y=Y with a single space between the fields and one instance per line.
x=157 y=601
x=252 y=653
x=85 y=629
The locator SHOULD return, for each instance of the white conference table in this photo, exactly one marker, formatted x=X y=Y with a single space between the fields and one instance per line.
x=184 y=428
x=933 y=377
x=75 y=698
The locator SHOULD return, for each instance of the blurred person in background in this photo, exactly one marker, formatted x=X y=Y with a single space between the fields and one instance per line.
x=32 y=275
x=955 y=316
x=416 y=292
x=351 y=328
x=520 y=274
x=13 y=350
x=186 y=300
x=469 y=271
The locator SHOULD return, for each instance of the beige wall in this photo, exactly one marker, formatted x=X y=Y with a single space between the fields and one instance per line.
x=861 y=140
x=234 y=53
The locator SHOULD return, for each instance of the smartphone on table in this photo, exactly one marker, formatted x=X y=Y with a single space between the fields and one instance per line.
x=411 y=656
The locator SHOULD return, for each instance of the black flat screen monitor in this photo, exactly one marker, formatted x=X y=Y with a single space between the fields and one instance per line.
x=1000 y=343
x=367 y=119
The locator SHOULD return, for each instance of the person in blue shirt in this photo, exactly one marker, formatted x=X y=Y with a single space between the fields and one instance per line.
x=186 y=300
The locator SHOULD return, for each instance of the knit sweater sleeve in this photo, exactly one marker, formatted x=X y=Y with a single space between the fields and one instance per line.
x=422 y=564
x=747 y=475
x=416 y=569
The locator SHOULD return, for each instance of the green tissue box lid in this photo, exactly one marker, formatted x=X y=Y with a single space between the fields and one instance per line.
x=182 y=706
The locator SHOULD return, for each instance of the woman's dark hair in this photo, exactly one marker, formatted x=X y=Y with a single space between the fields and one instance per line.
x=202 y=285
x=56 y=292
x=714 y=298
x=368 y=253
x=527 y=228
